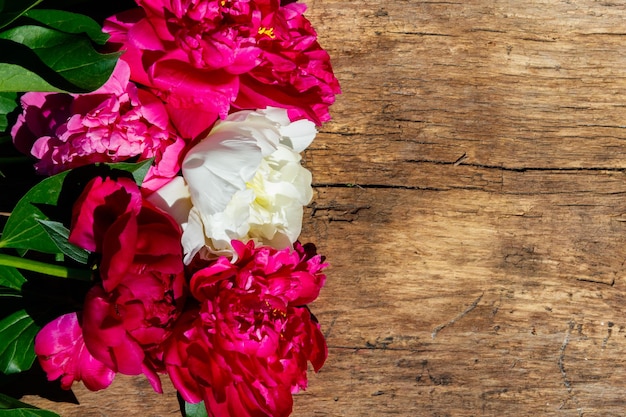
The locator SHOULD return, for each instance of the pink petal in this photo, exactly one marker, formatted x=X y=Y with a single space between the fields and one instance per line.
x=61 y=350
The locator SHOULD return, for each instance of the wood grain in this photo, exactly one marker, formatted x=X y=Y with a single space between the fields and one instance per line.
x=470 y=196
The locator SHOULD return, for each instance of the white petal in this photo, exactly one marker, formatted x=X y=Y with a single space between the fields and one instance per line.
x=193 y=236
x=298 y=135
x=174 y=199
x=216 y=168
x=276 y=115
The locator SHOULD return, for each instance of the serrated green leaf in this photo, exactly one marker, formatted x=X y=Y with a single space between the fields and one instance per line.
x=11 y=278
x=70 y=23
x=8 y=103
x=59 y=235
x=10 y=407
x=63 y=61
x=17 y=338
x=23 y=230
x=195 y=410
x=14 y=10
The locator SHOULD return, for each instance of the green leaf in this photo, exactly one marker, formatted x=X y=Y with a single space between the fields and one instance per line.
x=195 y=410
x=138 y=169
x=14 y=10
x=17 y=78
x=11 y=278
x=17 y=338
x=8 y=103
x=59 y=235
x=69 y=23
x=37 y=58
x=27 y=412
x=10 y=407
x=7 y=293
x=23 y=229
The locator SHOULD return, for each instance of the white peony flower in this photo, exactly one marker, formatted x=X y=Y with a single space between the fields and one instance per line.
x=243 y=181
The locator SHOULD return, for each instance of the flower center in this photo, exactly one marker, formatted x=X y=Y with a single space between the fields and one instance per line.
x=269 y=32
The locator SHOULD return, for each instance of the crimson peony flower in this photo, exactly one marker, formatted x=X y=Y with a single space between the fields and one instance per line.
x=61 y=351
x=104 y=203
x=126 y=317
x=112 y=124
x=244 y=348
x=204 y=57
x=111 y=218
x=125 y=328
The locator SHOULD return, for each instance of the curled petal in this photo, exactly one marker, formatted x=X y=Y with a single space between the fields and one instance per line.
x=103 y=203
x=62 y=353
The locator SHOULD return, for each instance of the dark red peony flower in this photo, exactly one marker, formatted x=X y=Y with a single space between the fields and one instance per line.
x=131 y=312
x=105 y=204
x=244 y=349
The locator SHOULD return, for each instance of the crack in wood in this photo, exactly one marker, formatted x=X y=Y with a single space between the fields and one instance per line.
x=347 y=213
x=330 y=328
x=561 y=364
x=516 y=169
x=561 y=359
x=596 y=281
x=471 y=307
x=609 y=332
x=460 y=159
x=374 y=347
x=384 y=187
x=423 y=34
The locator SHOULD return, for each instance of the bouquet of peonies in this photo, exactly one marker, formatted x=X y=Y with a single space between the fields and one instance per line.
x=158 y=232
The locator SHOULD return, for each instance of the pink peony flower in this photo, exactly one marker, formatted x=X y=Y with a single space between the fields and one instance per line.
x=244 y=349
x=112 y=124
x=129 y=315
x=202 y=57
x=62 y=354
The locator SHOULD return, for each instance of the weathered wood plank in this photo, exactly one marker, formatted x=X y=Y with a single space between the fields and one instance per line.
x=513 y=84
x=470 y=198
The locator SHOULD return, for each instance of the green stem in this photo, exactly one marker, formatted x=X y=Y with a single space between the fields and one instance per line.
x=44 y=268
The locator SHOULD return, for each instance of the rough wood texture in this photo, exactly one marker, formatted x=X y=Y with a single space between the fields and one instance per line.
x=471 y=198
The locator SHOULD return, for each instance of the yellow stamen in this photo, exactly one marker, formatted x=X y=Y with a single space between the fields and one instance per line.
x=267 y=31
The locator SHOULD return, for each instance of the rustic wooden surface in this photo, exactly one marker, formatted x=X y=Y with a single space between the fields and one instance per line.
x=471 y=198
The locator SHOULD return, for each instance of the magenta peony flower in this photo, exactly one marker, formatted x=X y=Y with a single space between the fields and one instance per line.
x=62 y=354
x=130 y=314
x=294 y=73
x=112 y=124
x=202 y=57
x=244 y=349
